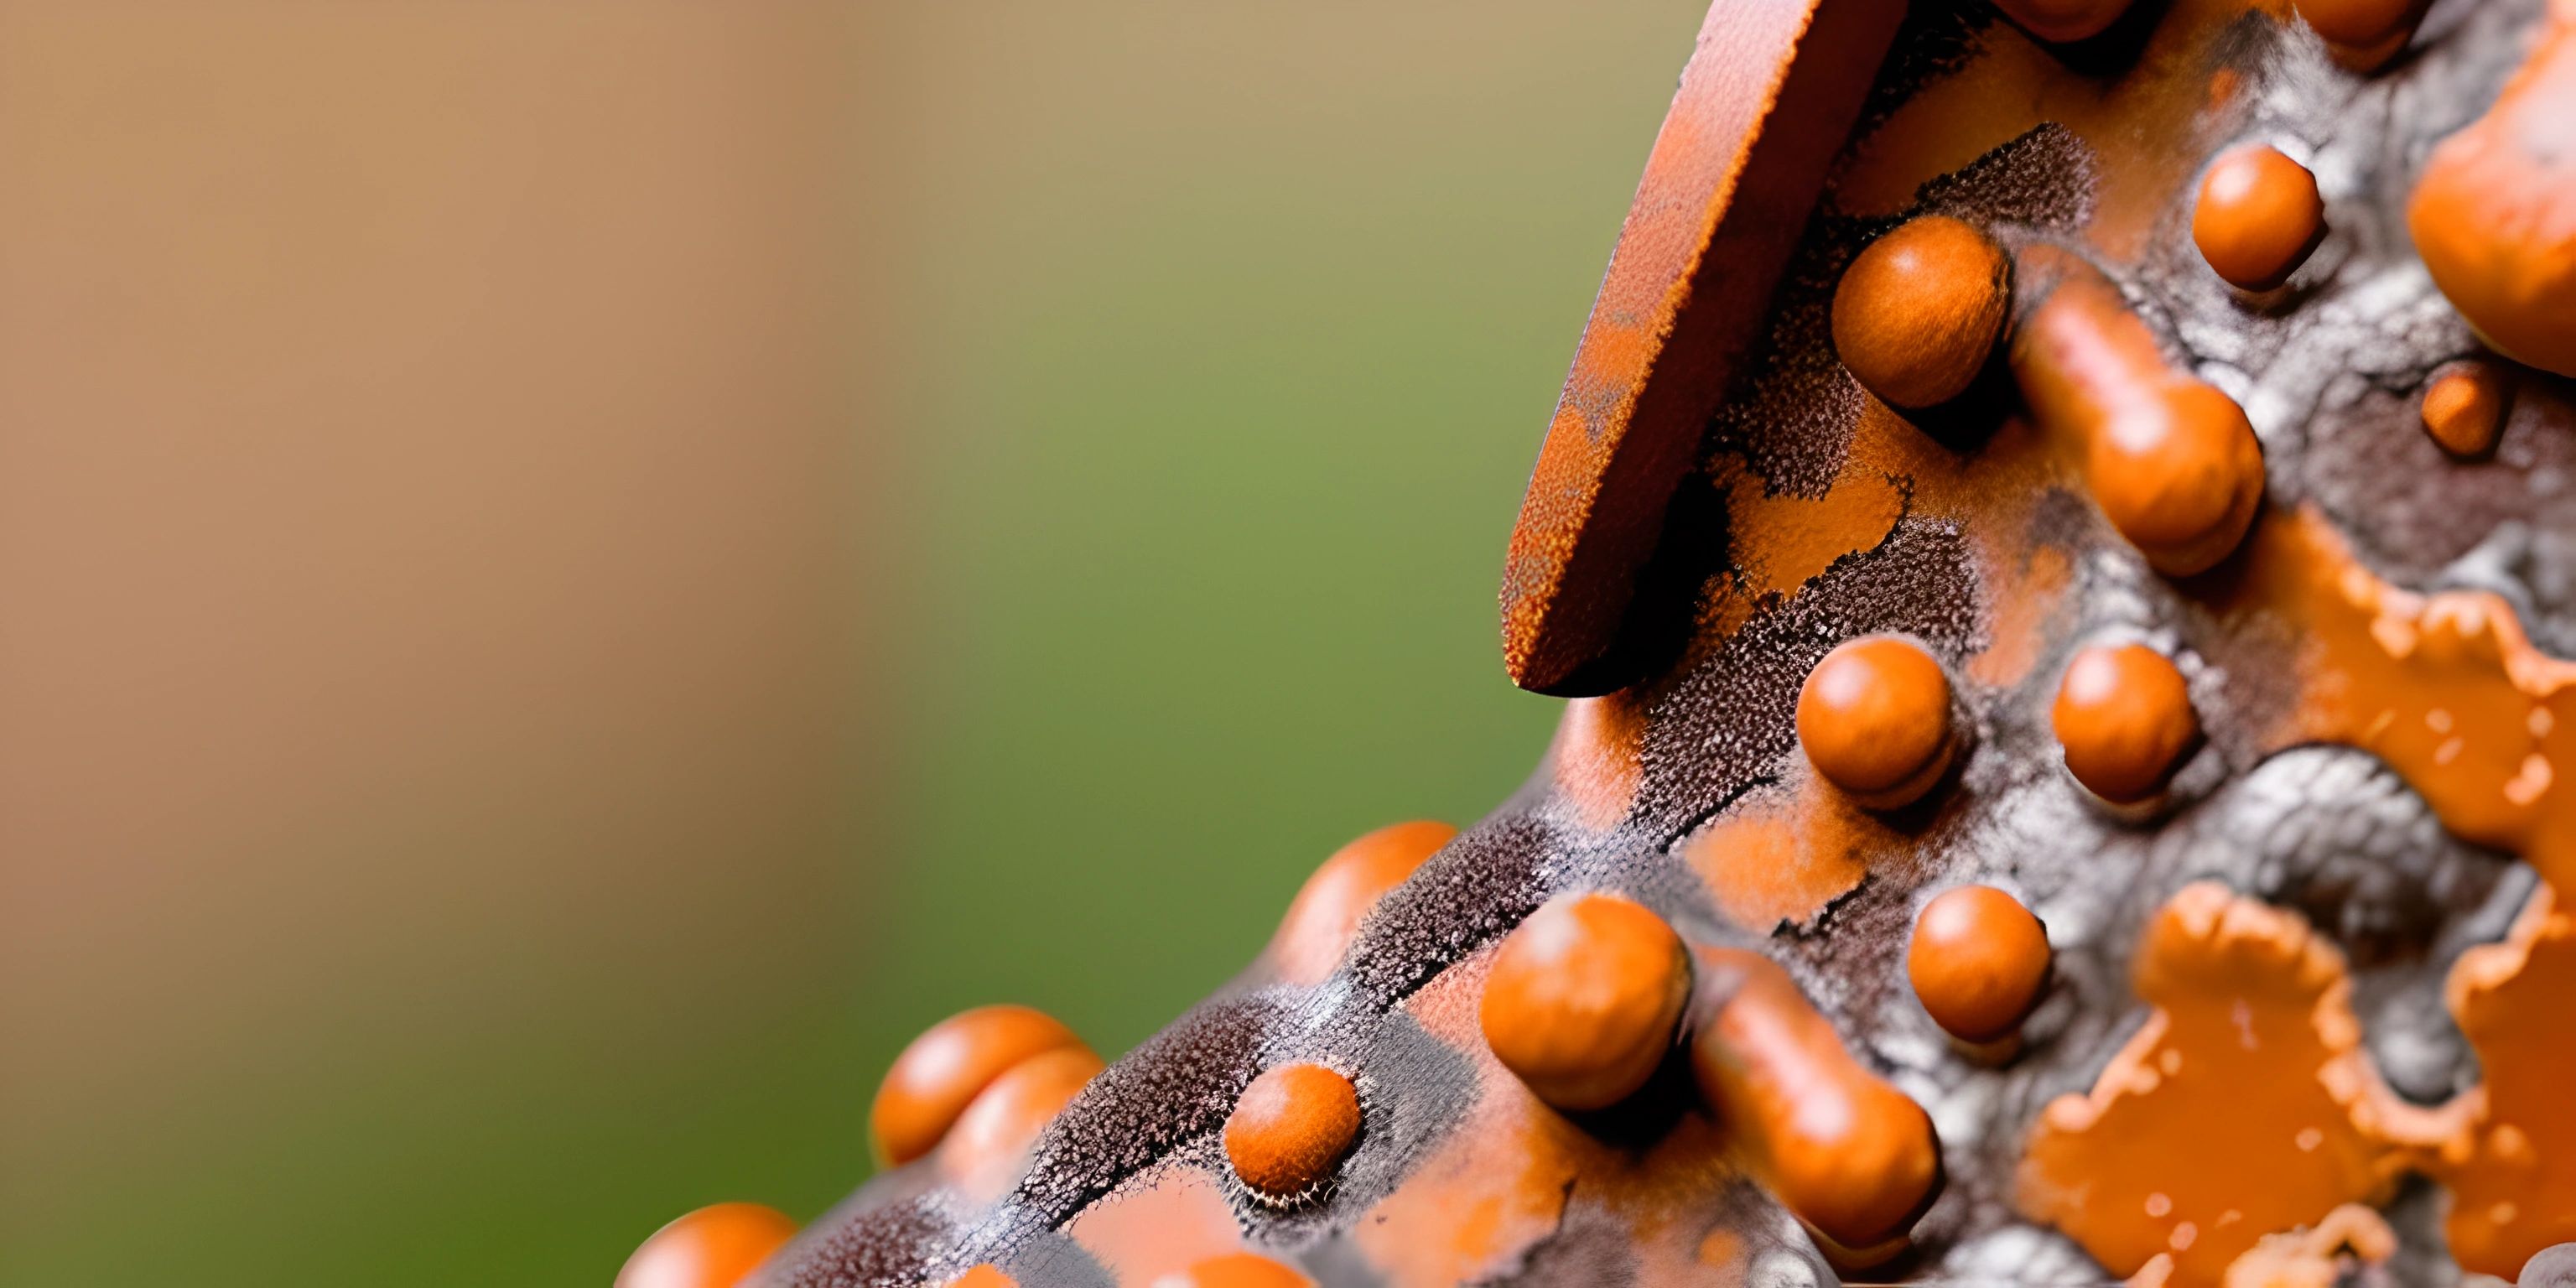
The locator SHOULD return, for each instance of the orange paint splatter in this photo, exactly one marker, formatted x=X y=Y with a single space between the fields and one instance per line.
x=1142 y=1234
x=2513 y=1189
x=2253 y=1055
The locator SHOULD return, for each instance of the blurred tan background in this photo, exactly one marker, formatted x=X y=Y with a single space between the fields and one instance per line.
x=574 y=571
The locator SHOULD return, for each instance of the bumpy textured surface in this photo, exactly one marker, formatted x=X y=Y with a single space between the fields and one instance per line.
x=2306 y=1012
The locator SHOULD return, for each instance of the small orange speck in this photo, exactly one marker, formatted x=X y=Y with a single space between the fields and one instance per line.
x=1583 y=999
x=2464 y=405
x=1874 y=718
x=1291 y=1128
x=713 y=1247
x=987 y=1275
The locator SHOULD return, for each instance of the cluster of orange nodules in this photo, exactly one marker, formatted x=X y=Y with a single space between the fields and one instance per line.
x=1585 y=1000
x=1874 y=718
x=978 y=1087
x=1290 y=1129
x=2258 y=216
x=714 y=1247
x=1978 y=962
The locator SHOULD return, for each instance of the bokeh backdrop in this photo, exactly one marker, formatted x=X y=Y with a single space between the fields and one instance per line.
x=573 y=573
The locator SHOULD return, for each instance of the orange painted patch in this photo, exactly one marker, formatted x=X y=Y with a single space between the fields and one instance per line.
x=2513 y=1191
x=2445 y=688
x=1785 y=854
x=2252 y=1056
x=1142 y=1234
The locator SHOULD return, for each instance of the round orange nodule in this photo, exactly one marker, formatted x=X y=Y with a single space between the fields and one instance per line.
x=986 y=1275
x=2356 y=23
x=1978 y=962
x=1235 y=1270
x=2124 y=716
x=2060 y=21
x=1291 y=1128
x=1004 y=1119
x=714 y=1247
x=1583 y=999
x=2179 y=473
x=2464 y=405
x=1328 y=908
x=1874 y=717
x=2258 y=216
x=1919 y=310
x=945 y=1068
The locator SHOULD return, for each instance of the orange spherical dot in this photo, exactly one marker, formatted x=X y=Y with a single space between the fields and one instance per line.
x=1235 y=1270
x=1329 y=906
x=1583 y=998
x=1874 y=717
x=1919 y=310
x=985 y=1148
x=1978 y=962
x=2178 y=471
x=986 y=1275
x=2464 y=405
x=713 y=1247
x=2358 y=23
x=2258 y=217
x=2124 y=716
x=947 y=1067
x=2060 y=21
x=1291 y=1128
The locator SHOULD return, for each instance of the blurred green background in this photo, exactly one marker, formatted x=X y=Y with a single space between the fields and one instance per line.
x=575 y=573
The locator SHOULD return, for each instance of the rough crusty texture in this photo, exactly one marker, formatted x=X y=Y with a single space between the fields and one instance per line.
x=2327 y=371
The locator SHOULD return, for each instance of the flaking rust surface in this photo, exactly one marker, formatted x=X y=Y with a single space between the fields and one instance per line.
x=2311 y=1004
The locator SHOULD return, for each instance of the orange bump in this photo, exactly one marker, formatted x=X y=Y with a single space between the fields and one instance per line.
x=2464 y=406
x=2258 y=216
x=1978 y=962
x=1851 y=1156
x=947 y=1067
x=2173 y=462
x=1328 y=908
x=986 y=1275
x=982 y=1154
x=1583 y=998
x=1918 y=312
x=1874 y=717
x=1235 y=1270
x=2060 y=21
x=1291 y=1128
x=2124 y=716
x=2494 y=214
x=713 y=1247
x=2363 y=33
